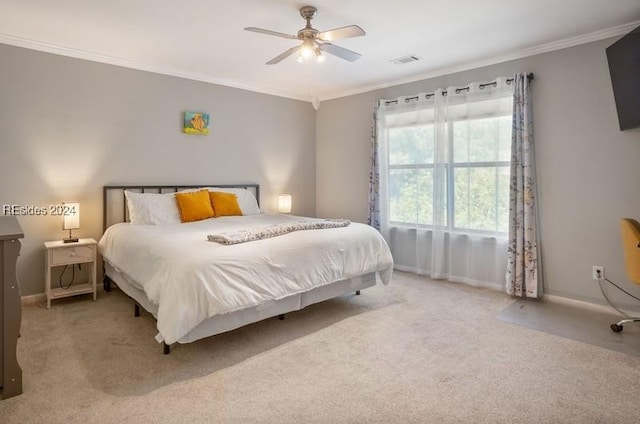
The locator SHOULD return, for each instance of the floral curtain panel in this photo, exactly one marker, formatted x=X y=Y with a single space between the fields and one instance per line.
x=523 y=277
x=373 y=215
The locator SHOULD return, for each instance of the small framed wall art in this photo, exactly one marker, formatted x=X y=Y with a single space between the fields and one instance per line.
x=196 y=123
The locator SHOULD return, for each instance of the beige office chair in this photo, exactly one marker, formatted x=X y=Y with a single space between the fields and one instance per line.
x=631 y=243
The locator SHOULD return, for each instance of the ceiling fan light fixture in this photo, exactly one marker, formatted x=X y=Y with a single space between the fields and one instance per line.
x=318 y=53
x=308 y=48
x=306 y=52
x=310 y=38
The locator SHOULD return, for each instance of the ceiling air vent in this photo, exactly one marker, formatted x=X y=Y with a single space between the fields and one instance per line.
x=405 y=59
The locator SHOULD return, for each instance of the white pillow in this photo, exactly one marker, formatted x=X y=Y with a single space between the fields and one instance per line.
x=246 y=199
x=152 y=208
x=138 y=213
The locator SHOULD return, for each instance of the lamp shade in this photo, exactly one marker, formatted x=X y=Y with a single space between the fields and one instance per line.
x=284 y=203
x=71 y=215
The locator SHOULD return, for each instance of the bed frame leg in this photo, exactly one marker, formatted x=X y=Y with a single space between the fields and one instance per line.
x=166 y=349
x=281 y=317
x=106 y=284
x=136 y=310
x=357 y=292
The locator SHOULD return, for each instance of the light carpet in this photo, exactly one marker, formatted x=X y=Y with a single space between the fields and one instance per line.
x=416 y=351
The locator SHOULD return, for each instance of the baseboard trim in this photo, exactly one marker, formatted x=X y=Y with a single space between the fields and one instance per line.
x=596 y=307
x=41 y=297
x=33 y=298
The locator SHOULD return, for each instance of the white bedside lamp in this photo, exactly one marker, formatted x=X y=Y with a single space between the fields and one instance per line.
x=284 y=203
x=71 y=219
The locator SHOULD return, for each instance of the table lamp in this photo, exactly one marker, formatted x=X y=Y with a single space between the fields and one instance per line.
x=284 y=203
x=70 y=219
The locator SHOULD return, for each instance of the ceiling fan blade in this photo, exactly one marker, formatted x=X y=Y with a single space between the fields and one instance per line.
x=282 y=56
x=269 y=32
x=341 y=52
x=339 y=33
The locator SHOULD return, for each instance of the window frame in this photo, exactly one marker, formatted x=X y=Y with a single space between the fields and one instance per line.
x=449 y=167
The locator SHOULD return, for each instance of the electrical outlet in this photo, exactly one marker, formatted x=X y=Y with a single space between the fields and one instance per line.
x=598 y=272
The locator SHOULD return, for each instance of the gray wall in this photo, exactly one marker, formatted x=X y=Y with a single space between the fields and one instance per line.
x=68 y=127
x=588 y=170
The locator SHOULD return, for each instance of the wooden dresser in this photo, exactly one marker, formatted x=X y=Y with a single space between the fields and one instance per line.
x=10 y=307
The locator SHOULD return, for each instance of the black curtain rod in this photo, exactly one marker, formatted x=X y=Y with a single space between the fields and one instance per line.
x=458 y=90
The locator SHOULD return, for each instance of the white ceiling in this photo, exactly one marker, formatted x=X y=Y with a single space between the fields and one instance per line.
x=205 y=40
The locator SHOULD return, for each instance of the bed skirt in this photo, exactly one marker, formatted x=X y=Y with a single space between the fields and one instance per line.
x=227 y=322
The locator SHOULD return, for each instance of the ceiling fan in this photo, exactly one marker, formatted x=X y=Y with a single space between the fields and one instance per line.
x=315 y=42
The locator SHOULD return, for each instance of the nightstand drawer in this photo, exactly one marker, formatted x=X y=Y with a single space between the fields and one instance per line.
x=72 y=255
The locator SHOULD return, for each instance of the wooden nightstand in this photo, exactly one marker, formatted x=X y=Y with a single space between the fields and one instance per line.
x=60 y=253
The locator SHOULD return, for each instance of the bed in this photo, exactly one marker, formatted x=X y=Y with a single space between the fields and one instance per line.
x=196 y=288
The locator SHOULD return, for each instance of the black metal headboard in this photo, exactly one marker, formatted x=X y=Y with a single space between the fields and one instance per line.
x=115 y=194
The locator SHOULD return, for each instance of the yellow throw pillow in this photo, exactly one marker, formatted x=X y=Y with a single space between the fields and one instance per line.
x=194 y=206
x=225 y=204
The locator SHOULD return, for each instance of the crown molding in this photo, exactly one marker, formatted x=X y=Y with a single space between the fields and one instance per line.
x=517 y=54
x=141 y=66
x=157 y=69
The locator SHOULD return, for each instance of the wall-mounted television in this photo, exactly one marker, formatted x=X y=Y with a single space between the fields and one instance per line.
x=624 y=66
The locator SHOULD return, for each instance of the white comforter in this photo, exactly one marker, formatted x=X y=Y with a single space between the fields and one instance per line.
x=192 y=279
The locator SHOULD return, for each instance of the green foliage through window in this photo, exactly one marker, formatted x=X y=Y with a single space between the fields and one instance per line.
x=476 y=173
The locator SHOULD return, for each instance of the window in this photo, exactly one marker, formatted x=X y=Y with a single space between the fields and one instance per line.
x=480 y=179
x=411 y=174
x=475 y=162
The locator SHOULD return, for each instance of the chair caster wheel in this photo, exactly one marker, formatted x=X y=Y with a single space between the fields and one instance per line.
x=616 y=328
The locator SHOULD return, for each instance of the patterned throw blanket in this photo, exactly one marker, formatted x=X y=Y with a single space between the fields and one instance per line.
x=268 y=231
